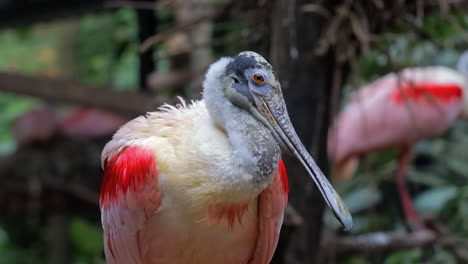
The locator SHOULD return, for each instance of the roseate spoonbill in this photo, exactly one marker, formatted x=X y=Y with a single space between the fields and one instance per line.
x=395 y=112
x=204 y=183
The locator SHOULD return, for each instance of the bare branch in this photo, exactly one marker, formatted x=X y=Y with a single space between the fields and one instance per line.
x=125 y=102
x=376 y=242
x=379 y=242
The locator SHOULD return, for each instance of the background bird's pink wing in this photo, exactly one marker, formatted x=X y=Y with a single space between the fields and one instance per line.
x=397 y=110
x=272 y=203
x=129 y=197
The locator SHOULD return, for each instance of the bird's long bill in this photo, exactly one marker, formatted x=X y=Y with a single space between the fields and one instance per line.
x=286 y=135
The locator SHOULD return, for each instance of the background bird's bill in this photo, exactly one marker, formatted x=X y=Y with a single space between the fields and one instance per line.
x=273 y=111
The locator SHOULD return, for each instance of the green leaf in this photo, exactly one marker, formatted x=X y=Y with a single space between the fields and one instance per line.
x=86 y=237
x=434 y=200
x=411 y=256
x=362 y=199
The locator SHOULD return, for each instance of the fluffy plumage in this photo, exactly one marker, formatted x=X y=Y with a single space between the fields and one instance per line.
x=176 y=190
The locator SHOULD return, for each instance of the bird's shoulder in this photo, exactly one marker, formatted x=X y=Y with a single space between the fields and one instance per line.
x=158 y=130
x=414 y=84
x=180 y=138
x=168 y=121
x=129 y=197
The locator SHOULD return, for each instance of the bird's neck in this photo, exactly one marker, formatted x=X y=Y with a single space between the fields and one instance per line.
x=255 y=152
x=254 y=147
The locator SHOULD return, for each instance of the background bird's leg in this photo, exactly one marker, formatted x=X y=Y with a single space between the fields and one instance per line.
x=412 y=218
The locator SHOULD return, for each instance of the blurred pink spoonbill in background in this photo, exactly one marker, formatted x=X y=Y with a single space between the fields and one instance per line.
x=395 y=112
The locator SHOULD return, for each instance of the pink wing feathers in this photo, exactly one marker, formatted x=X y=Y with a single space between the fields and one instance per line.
x=129 y=196
x=125 y=210
x=397 y=110
x=272 y=202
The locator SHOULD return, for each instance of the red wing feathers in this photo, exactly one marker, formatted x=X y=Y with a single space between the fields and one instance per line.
x=438 y=92
x=129 y=197
x=126 y=171
x=283 y=177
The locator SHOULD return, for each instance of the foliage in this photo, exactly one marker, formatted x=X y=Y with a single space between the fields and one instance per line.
x=12 y=253
x=112 y=56
x=87 y=241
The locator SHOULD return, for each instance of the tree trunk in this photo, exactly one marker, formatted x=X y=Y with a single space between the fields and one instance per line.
x=306 y=80
x=147 y=27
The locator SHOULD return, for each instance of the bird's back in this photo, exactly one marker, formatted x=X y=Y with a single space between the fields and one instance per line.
x=397 y=110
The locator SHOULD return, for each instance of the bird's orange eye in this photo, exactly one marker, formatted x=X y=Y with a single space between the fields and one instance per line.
x=258 y=78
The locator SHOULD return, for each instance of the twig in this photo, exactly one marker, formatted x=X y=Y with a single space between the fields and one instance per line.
x=182 y=27
x=317 y=9
x=209 y=43
x=459 y=247
x=379 y=242
x=376 y=242
x=331 y=31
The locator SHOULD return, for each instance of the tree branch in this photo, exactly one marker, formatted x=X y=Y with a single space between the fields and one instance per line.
x=381 y=242
x=376 y=242
x=124 y=102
